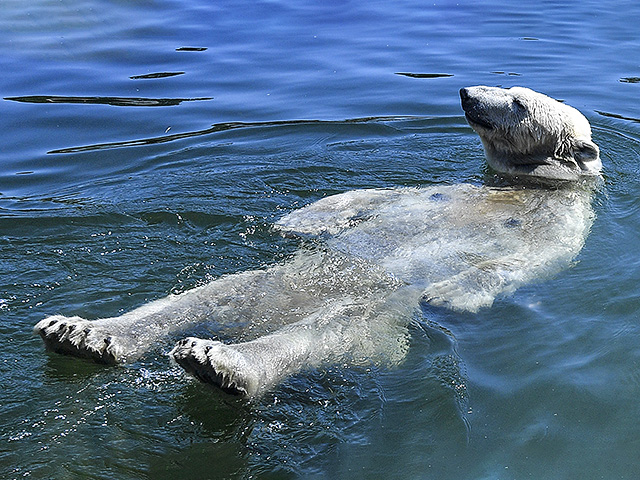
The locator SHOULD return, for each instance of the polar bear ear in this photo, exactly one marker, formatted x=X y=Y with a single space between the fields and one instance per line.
x=586 y=151
x=586 y=154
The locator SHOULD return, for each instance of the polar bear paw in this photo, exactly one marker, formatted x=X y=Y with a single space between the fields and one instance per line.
x=78 y=337
x=218 y=364
x=463 y=293
x=448 y=294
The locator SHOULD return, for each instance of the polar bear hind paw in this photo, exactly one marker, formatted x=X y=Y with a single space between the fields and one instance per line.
x=79 y=338
x=215 y=363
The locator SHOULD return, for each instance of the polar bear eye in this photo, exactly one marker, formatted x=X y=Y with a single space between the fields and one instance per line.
x=519 y=105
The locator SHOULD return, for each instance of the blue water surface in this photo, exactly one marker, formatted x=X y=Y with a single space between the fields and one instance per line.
x=146 y=147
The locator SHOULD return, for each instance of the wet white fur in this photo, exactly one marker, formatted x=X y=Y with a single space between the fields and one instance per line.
x=528 y=133
x=350 y=297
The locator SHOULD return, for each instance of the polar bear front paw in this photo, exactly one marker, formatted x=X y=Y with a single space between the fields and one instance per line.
x=448 y=294
x=460 y=294
x=218 y=364
x=78 y=337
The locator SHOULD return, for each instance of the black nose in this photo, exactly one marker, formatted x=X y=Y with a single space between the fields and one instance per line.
x=465 y=99
x=464 y=95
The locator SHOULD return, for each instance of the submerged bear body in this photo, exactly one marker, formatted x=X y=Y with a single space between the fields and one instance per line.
x=349 y=294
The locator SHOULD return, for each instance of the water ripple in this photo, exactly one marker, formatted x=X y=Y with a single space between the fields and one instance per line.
x=114 y=101
x=221 y=127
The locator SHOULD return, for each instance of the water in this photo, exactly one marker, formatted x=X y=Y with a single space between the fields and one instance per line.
x=542 y=385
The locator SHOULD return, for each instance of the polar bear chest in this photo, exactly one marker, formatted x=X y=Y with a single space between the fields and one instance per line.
x=426 y=235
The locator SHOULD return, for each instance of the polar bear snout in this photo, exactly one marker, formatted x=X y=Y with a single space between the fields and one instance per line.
x=469 y=101
x=473 y=112
x=465 y=98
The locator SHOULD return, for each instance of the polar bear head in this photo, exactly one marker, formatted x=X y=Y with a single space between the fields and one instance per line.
x=526 y=133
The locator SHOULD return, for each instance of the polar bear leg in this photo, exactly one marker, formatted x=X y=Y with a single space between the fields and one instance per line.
x=360 y=330
x=257 y=301
x=125 y=338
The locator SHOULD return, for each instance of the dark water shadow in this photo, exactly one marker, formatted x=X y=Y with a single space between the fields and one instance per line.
x=508 y=74
x=221 y=427
x=619 y=117
x=630 y=80
x=220 y=416
x=114 y=101
x=222 y=127
x=147 y=76
x=68 y=369
x=424 y=75
x=191 y=49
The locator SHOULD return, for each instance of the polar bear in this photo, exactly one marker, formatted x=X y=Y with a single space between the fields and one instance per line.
x=372 y=256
